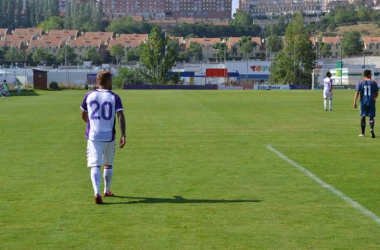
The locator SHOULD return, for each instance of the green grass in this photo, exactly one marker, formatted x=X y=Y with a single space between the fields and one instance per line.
x=195 y=174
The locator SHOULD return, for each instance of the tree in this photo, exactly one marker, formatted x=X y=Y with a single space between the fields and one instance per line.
x=13 y=55
x=277 y=29
x=132 y=54
x=51 y=8
x=295 y=63
x=273 y=44
x=324 y=50
x=246 y=45
x=85 y=16
x=66 y=51
x=221 y=50
x=210 y=30
x=2 y=54
x=352 y=44
x=40 y=55
x=127 y=76
x=117 y=51
x=234 y=50
x=332 y=26
x=129 y=26
x=281 y=69
x=364 y=14
x=195 y=51
x=53 y=23
x=242 y=18
x=156 y=58
x=345 y=15
x=93 y=55
x=174 y=44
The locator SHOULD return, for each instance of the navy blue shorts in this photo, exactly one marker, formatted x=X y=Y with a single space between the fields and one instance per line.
x=368 y=110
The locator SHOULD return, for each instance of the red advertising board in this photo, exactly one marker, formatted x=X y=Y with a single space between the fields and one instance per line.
x=216 y=73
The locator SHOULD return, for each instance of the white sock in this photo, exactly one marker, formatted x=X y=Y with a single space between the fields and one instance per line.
x=95 y=178
x=325 y=104
x=108 y=173
x=330 y=103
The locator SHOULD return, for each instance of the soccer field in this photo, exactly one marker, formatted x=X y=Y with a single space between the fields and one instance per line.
x=201 y=170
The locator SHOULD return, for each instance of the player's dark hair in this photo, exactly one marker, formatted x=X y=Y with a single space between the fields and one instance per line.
x=328 y=74
x=103 y=77
x=367 y=73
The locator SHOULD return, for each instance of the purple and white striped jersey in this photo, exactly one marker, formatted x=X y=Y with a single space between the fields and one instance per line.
x=101 y=106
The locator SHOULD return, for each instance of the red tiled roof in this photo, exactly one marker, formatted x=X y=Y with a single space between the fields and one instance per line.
x=46 y=41
x=332 y=40
x=235 y=40
x=371 y=39
x=27 y=32
x=84 y=42
x=204 y=41
x=135 y=36
x=15 y=41
x=65 y=34
x=129 y=40
x=103 y=36
x=256 y=40
x=3 y=32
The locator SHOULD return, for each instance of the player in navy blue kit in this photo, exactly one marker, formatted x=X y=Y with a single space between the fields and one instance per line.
x=99 y=110
x=368 y=91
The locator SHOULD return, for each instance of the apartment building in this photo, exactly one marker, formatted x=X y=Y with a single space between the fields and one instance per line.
x=269 y=7
x=168 y=8
x=63 y=3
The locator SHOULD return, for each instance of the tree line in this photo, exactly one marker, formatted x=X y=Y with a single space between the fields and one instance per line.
x=45 y=14
x=14 y=14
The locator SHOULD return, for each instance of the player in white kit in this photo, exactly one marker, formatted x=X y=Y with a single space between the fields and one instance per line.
x=327 y=91
x=99 y=110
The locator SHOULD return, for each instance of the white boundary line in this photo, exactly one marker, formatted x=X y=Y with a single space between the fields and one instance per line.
x=328 y=186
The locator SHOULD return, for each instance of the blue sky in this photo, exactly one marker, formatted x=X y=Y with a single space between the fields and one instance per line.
x=235 y=4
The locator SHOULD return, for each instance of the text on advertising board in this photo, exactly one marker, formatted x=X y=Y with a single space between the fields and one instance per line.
x=258 y=68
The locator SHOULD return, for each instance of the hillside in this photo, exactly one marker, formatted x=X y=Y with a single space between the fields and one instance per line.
x=365 y=29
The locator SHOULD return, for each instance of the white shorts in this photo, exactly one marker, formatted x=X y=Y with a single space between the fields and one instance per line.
x=327 y=95
x=100 y=153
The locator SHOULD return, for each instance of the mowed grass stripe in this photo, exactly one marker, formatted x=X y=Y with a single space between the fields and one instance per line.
x=191 y=157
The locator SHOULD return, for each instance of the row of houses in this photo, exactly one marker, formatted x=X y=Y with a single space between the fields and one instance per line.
x=29 y=40
x=371 y=45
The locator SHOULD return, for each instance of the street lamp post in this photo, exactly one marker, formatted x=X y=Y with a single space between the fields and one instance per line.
x=66 y=63
x=225 y=67
x=341 y=63
x=204 y=75
x=216 y=55
x=246 y=76
x=224 y=54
